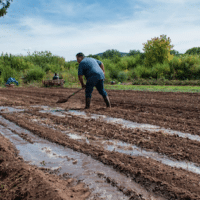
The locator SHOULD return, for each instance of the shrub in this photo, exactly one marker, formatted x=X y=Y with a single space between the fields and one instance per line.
x=55 y=68
x=114 y=73
x=122 y=76
x=195 y=71
x=123 y=64
x=46 y=67
x=107 y=76
x=67 y=65
x=35 y=73
x=161 y=70
x=8 y=72
x=131 y=62
x=142 y=72
x=71 y=75
x=131 y=74
x=19 y=63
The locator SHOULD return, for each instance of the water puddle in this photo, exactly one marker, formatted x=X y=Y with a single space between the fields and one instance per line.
x=57 y=111
x=126 y=148
x=123 y=147
x=129 y=149
x=5 y=109
x=43 y=153
x=130 y=124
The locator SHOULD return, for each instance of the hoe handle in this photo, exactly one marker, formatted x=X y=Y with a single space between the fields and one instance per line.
x=75 y=93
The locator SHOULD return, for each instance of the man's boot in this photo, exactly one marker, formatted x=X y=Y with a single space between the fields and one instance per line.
x=107 y=101
x=87 y=102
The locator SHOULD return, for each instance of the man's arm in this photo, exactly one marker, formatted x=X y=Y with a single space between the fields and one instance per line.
x=102 y=67
x=80 y=77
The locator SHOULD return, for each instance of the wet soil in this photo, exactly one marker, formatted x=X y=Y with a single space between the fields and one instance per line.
x=22 y=181
x=176 y=111
x=171 y=145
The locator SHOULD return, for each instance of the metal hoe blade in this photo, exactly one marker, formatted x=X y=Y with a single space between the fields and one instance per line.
x=65 y=100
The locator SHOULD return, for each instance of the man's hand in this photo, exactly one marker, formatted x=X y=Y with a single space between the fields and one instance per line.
x=81 y=81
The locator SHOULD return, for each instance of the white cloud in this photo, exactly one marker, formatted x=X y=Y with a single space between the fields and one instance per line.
x=39 y=33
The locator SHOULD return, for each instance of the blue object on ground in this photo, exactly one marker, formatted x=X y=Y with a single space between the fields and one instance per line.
x=12 y=80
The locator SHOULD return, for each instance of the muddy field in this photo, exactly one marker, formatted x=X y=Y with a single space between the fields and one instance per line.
x=147 y=146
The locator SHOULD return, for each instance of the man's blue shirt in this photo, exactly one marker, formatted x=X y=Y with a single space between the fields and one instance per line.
x=90 y=68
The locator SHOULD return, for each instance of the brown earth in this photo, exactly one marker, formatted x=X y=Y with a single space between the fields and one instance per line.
x=178 y=111
x=22 y=181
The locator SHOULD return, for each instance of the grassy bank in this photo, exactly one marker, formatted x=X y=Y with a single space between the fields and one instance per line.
x=155 y=88
x=151 y=88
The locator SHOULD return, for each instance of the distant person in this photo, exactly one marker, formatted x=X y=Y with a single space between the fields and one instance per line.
x=94 y=72
x=11 y=80
x=55 y=76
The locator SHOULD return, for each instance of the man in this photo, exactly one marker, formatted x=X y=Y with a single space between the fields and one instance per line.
x=55 y=76
x=94 y=72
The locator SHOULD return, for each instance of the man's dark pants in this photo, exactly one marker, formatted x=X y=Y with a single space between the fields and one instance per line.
x=99 y=84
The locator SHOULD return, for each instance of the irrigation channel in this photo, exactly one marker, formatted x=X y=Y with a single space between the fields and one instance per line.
x=93 y=173
x=128 y=152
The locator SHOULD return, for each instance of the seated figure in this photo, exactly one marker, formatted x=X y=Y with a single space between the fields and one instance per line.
x=55 y=76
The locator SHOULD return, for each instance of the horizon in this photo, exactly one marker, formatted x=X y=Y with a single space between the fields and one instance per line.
x=67 y=27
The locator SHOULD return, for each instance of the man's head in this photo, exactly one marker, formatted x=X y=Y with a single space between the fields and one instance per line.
x=79 y=57
x=55 y=74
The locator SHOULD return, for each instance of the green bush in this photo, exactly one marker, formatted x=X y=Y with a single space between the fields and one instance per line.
x=55 y=68
x=2 y=81
x=7 y=72
x=107 y=76
x=116 y=59
x=67 y=65
x=35 y=74
x=131 y=74
x=142 y=71
x=123 y=64
x=46 y=67
x=161 y=70
x=19 y=63
x=122 y=76
x=185 y=67
x=195 y=71
x=131 y=62
x=114 y=73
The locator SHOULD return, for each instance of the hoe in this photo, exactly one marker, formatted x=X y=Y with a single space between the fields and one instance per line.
x=65 y=100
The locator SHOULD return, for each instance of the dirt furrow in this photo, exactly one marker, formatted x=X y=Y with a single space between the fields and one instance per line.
x=170 y=182
x=186 y=125
x=19 y=180
x=170 y=145
x=178 y=111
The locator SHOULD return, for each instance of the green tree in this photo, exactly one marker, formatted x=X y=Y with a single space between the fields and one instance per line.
x=133 y=52
x=3 y=10
x=193 y=51
x=174 y=52
x=157 y=50
x=110 y=54
x=94 y=56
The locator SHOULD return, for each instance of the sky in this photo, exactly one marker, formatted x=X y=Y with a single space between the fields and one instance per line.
x=66 y=28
